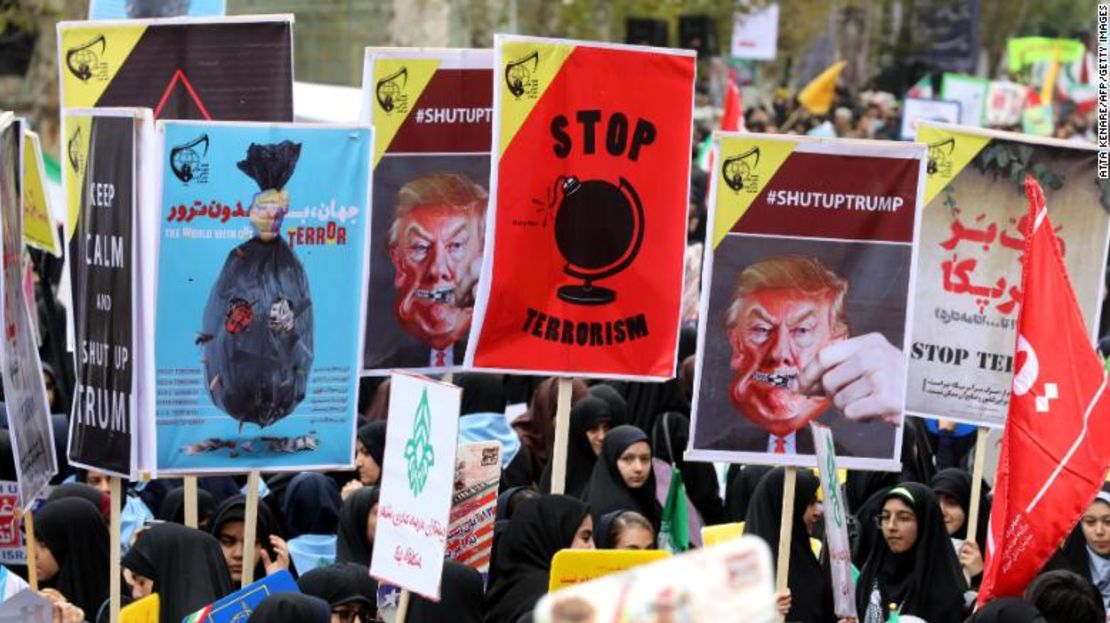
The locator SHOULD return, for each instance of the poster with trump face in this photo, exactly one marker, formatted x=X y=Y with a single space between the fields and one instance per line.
x=586 y=233
x=433 y=112
x=804 y=311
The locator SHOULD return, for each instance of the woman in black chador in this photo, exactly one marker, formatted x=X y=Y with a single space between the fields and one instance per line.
x=258 y=321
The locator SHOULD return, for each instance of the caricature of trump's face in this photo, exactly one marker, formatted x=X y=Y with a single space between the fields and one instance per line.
x=776 y=333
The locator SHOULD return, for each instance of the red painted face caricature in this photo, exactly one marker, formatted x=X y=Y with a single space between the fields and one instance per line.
x=435 y=244
x=784 y=311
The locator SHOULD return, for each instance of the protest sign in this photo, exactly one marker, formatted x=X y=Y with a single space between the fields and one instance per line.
x=1021 y=52
x=577 y=566
x=432 y=111
x=238 y=606
x=136 y=9
x=39 y=231
x=712 y=535
x=1005 y=102
x=728 y=582
x=970 y=92
x=417 y=478
x=474 y=505
x=1038 y=120
x=260 y=295
x=806 y=224
x=26 y=606
x=102 y=192
x=755 y=34
x=13 y=541
x=28 y=413
x=227 y=68
x=586 y=234
x=836 y=522
x=969 y=274
x=915 y=110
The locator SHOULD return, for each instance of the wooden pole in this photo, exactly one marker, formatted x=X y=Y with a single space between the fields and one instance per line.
x=562 y=435
x=976 y=490
x=114 y=550
x=29 y=528
x=250 y=528
x=786 y=530
x=402 y=606
x=191 y=519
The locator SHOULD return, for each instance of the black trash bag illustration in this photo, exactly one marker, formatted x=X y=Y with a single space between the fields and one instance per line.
x=257 y=336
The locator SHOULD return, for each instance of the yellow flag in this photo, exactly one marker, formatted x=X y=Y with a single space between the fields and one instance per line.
x=1049 y=87
x=817 y=96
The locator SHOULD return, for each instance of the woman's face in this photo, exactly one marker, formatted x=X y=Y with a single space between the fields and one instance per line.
x=140 y=586
x=953 y=514
x=814 y=512
x=635 y=537
x=46 y=567
x=369 y=472
x=584 y=536
x=899 y=525
x=231 y=542
x=634 y=464
x=596 y=435
x=372 y=524
x=1096 y=527
x=99 y=481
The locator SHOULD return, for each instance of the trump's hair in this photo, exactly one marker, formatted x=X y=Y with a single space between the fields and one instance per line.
x=452 y=190
x=799 y=273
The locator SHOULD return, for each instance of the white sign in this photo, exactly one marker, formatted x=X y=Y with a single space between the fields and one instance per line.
x=417 y=484
x=1005 y=103
x=915 y=110
x=13 y=541
x=836 y=523
x=26 y=606
x=970 y=92
x=755 y=35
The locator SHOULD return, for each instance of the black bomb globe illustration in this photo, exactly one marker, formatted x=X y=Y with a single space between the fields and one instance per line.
x=257 y=334
x=599 y=228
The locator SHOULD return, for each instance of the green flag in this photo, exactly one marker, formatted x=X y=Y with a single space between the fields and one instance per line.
x=674 y=528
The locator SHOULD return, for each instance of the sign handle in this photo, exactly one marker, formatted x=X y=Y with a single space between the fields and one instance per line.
x=29 y=528
x=786 y=531
x=114 y=549
x=402 y=606
x=976 y=488
x=191 y=501
x=562 y=436
x=250 y=527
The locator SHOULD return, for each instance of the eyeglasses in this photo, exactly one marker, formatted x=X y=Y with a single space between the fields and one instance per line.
x=895 y=518
x=348 y=614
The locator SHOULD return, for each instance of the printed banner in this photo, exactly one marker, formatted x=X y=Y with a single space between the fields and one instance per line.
x=39 y=231
x=970 y=92
x=13 y=541
x=26 y=606
x=24 y=387
x=137 y=9
x=836 y=522
x=587 y=232
x=474 y=505
x=101 y=185
x=432 y=111
x=260 y=295
x=755 y=34
x=969 y=275
x=237 y=68
x=805 y=309
x=417 y=480
x=578 y=566
x=915 y=110
x=732 y=581
x=238 y=606
x=1005 y=103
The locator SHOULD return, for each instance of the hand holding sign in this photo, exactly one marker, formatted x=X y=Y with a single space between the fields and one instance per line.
x=863 y=375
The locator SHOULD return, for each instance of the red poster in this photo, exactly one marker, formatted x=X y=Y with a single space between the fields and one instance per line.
x=583 y=270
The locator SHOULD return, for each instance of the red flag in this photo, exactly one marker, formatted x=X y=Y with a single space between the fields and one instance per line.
x=1056 y=445
x=732 y=118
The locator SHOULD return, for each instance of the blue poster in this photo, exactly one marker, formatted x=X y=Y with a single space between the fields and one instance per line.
x=125 y=9
x=260 y=295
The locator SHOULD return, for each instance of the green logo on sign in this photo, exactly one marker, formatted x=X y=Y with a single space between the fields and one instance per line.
x=418 y=449
x=834 y=488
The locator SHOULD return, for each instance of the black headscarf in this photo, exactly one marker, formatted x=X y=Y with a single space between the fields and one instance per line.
x=700 y=479
x=7 y=457
x=956 y=482
x=1008 y=610
x=585 y=415
x=607 y=491
x=742 y=481
x=311 y=505
x=291 y=608
x=84 y=492
x=810 y=589
x=372 y=436
x=235 y=509
x=926 y=580
x=173 y=507
x=186 y=565
x=352 y=545
x=74 y=532
x=618 y=406
x=507 y=502
x=540 y=527
x=460 y=598
x=341 y=583
x=481 y=393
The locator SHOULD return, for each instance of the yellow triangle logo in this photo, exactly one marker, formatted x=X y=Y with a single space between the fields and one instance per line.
x=38 y=226
x=91 y=56
x=397 y=85
x=75 y=154
x=526 y=68
x=744 y=165
x=949 y=152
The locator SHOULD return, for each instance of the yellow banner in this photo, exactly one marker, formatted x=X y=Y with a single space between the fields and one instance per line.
x=949 y=153
x=575 y=566
x=744 y=168
x=712 y=535
x=75 y=153
x=38 y=225
x=91 y=56
x=525 y=71
x=398 y=84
